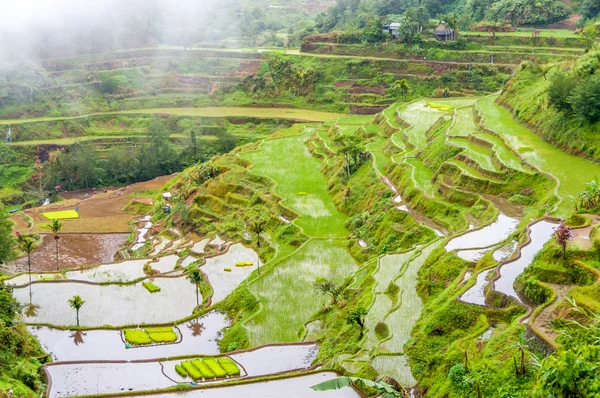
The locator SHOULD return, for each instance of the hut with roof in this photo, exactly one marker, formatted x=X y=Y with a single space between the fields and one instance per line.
x=443 y=32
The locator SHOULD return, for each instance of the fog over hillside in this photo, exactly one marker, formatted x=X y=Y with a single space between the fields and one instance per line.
x=40 y=29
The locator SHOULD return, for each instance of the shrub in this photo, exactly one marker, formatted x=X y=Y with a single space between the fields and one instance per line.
x=137 y=337
x=148 y=270
x=191 y=370
x=151 y=287
x=560 y=90
x=585 y=100
x=230 y=366
x=215 y=367
x=382 y=330
x=204 y=369
x=179 y=369
x=457 y=374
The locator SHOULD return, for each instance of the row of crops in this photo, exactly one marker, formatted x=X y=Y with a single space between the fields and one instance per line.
x=208 y=368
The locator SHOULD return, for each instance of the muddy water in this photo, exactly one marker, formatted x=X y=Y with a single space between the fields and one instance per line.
x=541 y=233
x=66 y=345
x=74 y=250
x=486 y=236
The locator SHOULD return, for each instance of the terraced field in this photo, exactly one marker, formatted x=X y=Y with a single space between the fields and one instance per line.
x=268 y=113
x=539 y=153
x=405 y=228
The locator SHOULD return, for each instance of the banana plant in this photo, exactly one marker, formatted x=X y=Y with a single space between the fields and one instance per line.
x=383 y=389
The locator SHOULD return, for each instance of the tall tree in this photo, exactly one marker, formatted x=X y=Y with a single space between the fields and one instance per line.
x=76 y=303
x=26 y=244
x=56 y=226
x=196 y=277
x=351 y=146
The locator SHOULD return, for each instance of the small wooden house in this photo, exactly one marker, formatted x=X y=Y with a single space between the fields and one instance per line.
x=443 y=32
x=392 y=29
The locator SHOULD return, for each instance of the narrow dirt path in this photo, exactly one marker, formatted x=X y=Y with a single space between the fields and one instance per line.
x=544 y=320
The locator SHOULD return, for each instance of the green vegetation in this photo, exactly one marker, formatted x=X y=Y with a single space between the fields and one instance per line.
x=568 y=100
x=348 y=166
x=137 y=336
x=76 y=303
x=151 y=287
x=287 y=161
x=61 y=215
x=208 y=368
x=150 y=335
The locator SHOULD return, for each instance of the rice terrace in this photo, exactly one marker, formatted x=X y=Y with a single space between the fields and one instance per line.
x=296 y=198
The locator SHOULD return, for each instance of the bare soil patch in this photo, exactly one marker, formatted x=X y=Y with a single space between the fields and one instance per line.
x=74 y=250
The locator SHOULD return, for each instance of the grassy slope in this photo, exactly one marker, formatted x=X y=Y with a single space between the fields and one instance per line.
x=540 y=154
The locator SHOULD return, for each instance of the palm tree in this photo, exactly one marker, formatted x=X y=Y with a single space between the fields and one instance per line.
x=258 y=227
x=195 y=276
x=76 y=303
x=385 y=390
x=26 y=244
x=56 y=227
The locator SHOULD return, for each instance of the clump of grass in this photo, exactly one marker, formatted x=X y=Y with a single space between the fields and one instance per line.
x=382 y=330
x=181 y=371
x=151 y=287
x=150 y=335
x=61 y=215
x=439 y=107
x=137 y=337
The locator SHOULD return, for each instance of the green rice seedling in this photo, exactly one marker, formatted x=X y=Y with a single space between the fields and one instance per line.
x=215 y=367
x=230 y=366
x=160 y=329
x=244 y=264
x=137 y=336
x=181 y=371
x=163 y=337
x=152 y=288
x=191 y=370
x=203 y=368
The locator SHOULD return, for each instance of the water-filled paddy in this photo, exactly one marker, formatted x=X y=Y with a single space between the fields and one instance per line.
x=92 y=345
x=225 y=282
x=264 y=361
x=296 y=387
x=541 y=233
x=486 y=236
x=475 y=294
x=111 y=304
